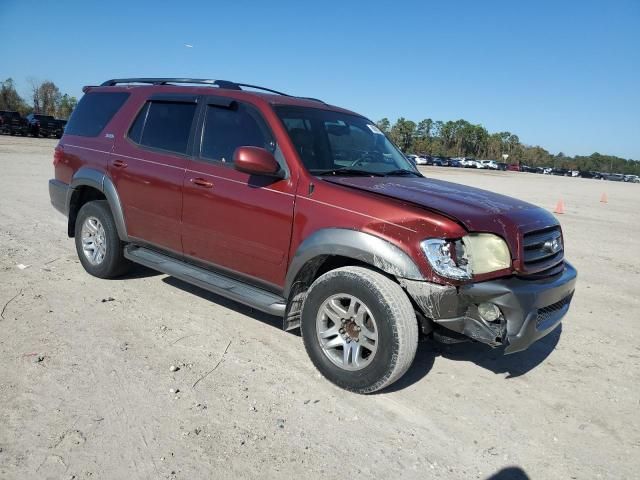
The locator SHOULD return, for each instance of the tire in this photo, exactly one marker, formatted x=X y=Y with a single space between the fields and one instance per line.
x=101 y=236
x=387 y=311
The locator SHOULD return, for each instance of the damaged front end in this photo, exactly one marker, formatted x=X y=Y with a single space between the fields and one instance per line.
x=511 y=311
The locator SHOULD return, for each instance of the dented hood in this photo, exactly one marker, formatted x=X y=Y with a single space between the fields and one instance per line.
x=477 y=210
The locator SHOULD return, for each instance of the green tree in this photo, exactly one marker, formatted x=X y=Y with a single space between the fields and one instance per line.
x=403 y=133
x=46 y=97
x=384 y=125
x=66 y=106
x=10 y=99
x=423 y=130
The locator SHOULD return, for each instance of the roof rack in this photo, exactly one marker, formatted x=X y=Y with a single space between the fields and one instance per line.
x=201 y=81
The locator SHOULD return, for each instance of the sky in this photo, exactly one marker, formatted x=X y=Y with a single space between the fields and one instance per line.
x=564 y=75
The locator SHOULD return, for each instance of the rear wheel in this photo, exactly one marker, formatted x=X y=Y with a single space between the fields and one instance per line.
x=359 y=329
x=99 y=248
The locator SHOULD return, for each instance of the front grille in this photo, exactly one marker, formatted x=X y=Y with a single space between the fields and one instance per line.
x=548 y=313
x=543 y=249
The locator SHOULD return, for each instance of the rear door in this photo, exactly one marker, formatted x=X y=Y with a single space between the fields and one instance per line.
x=148 y=167
x=232 y=220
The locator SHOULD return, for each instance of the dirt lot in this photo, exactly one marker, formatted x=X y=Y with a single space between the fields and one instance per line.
x=85 y=380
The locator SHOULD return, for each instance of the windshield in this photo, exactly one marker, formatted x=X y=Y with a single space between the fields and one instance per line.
x=337 y=143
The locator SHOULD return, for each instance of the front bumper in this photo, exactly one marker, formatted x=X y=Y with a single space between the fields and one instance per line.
x=530 y=308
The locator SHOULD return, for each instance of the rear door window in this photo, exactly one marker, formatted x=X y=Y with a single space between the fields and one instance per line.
x=164 y=125
x=227 y=128
x=93 y=113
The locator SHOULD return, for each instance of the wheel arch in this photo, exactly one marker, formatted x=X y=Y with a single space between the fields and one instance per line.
x=89 y=184
x=331 y=248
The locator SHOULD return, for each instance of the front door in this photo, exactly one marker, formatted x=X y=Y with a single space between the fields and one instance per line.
x=238 y=222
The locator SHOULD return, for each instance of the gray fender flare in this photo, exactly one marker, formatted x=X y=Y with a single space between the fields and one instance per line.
x=360 y=246
x=100 y=181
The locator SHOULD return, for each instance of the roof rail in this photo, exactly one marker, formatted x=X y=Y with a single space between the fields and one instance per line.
x=313 y=99
x=202 y=81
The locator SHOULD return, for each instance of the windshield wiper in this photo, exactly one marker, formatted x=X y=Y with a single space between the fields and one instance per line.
x=350 y=171
x=401 y=172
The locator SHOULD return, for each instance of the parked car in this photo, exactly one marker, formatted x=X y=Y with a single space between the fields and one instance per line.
x=614 y=177
x=43 y=125
x=562 y=172
x=514 y=167
x=417 y=160
x=489 y=164
x=12 y=123
x=632 y=178
x=588 y=174
x=528 y=169
x=470 y=163
x=240 y=193
x=62 y=125
x=450 y=162
x=502 y=166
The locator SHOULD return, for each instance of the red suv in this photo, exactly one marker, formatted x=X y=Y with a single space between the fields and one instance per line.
x=306 y=211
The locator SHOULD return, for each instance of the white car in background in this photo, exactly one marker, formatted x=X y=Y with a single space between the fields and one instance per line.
x=470 y=163
x=490 y=164
x=417 y=160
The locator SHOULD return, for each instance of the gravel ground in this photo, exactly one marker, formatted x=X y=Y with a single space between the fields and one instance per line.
x=86 y=388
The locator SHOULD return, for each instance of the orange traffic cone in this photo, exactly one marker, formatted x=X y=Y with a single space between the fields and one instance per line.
x=603 y=198
x=559 y=207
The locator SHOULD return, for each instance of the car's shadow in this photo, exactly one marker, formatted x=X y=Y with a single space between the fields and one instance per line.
x=140 y=271
x=514 y=365
x=493 y=359
x=509 y=473
x=225 y=302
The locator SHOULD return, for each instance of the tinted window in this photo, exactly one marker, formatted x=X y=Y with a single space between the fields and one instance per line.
x=164 y=125
x=93 y=113
x=328 y=140
x=226 y=129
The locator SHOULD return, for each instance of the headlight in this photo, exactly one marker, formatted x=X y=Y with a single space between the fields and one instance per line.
x=486 y=252
x=443 y=257
x=474 y=254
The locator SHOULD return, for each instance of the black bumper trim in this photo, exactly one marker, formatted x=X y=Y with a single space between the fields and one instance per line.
x=58 y=193
x=522 y=302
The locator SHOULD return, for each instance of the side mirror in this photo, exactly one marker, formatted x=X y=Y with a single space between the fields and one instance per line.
x=256 y=161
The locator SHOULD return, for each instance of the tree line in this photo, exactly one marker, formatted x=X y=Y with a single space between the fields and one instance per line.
x=463 y=139
x=44 y=98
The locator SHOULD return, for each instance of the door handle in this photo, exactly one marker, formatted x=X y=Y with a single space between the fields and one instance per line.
x=119 y=164
x=201 y=182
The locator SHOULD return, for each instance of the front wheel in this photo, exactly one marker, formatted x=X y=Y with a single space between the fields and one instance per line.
x=359 y=329
x=99 y=248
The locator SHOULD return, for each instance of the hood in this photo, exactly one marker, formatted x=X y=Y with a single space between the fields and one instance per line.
x=477 y=210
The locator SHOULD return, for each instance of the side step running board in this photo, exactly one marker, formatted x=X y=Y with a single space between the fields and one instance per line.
x=254 y=297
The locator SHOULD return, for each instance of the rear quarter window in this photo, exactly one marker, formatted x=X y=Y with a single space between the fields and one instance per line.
x=93 y=113
x=164 y=125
